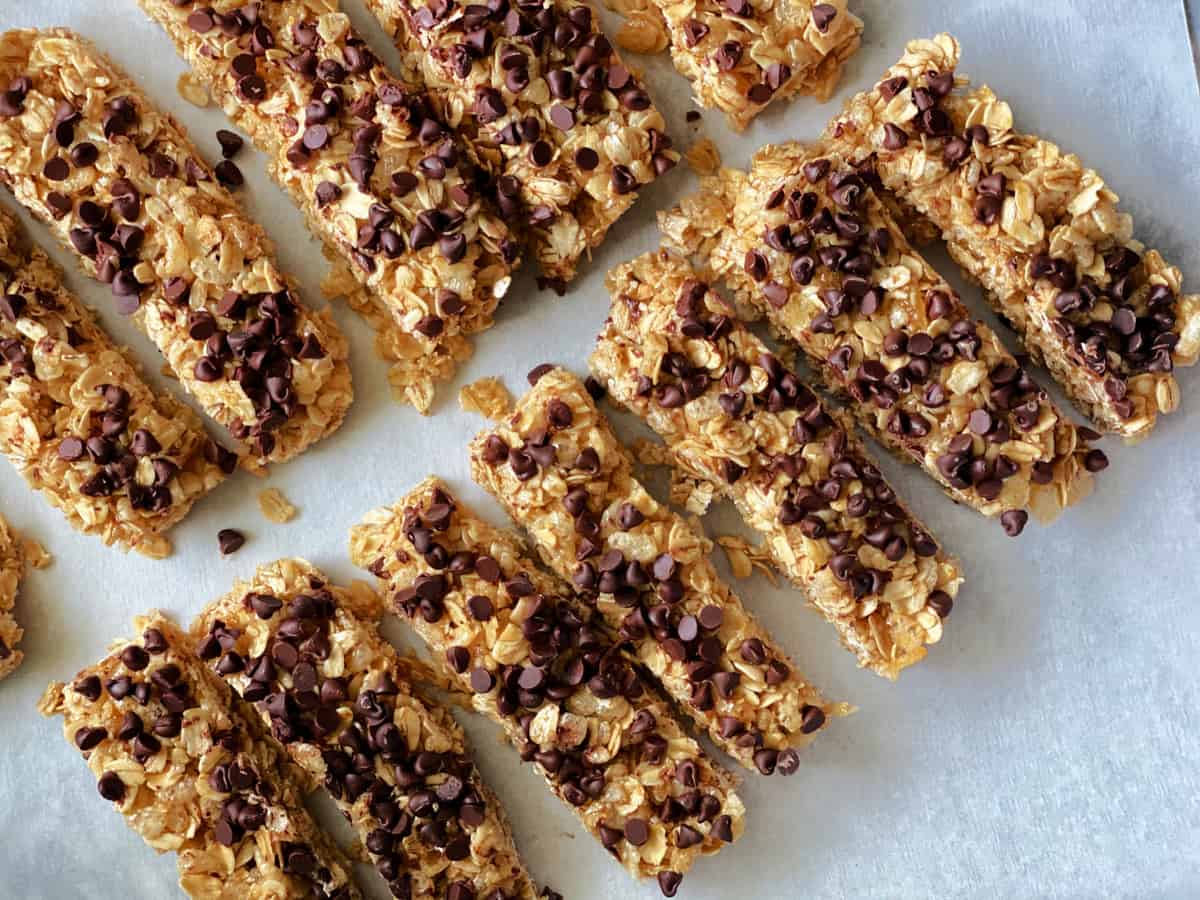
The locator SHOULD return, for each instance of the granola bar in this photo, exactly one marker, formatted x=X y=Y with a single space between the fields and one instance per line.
x=545 y=667
x=547 y=107
x=1040 y=232
x=12 y=568
x=740 y=56
x=379 y=177
x=120 y=184
x=77 y=420
x=558 y=469
x=194 y=777
x=331 y=690
x=803 y=240
x=674 y=353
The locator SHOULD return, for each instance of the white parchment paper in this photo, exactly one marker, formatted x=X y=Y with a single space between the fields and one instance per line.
x=1048 y=747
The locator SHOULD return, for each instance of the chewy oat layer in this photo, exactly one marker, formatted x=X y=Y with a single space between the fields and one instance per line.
x=546 y=668
x=674 y=353
x=558 y=469
x=1040 y=232
x=548 y=109
x=192 y=776
x=804 y=241
x=12 y=568
x=331 y=690
x=120 y=461
x=381 y=180
x=121 y=185
x=740 y=55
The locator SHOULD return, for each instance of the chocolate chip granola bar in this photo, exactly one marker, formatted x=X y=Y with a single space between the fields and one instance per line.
x=545 y=667
x=80 y=424
x=330 y=689
x=674 y=353
x=192 y=776
x=804 y=241
x=740 y=56
x=12 y=568
x=547 y=107
x=558 y=469
x=121 y=185
x=377 y=174
x=1040 y=232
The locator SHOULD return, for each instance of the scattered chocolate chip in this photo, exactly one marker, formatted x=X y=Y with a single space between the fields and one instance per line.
x=230 y=540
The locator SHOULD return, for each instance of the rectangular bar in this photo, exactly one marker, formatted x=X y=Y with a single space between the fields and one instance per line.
x=1041 y=233
x=380 y=179
x=192 y=776
x=558 y=469
x=674 y=353
x=120 y=461
x=12 y=569
x=805 y=242
x=740 y=56
x=543 y=666
x=546 y=106
x=332 y=691
x=120 y=184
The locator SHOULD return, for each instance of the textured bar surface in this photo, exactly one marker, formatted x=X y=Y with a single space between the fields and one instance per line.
x=379 y=178
x=1041 y=233
x=740 y=56
x=558 y=469
x=805 y=242
x=674 y=353
x=547 y=107
x=12 y=568
x=544 y=666
x=120 y=184
x=309 y=658
x=120 y=461
x=192 y=776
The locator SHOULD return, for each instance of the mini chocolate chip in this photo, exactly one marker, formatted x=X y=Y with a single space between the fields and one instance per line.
x=822 y=15
x=111 y=787
x=230 y=540
x=941 y=603
x=1013 y=521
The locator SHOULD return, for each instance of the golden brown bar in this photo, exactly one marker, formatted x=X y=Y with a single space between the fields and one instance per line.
x=558 y=469
x=308 y=657
x=544 y=666
x=191 y=776
x=77 y=420
x=12 y=568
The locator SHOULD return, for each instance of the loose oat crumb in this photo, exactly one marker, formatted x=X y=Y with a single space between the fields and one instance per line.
x=643 y=32
x=155 y=547
x=704 y=157
x=166 y=371
x=691 y=493
x=35 y=554
x=191 y=90
x=275 y=506
x=744 y=557
x=488 y=397
x=649 y=453
x=339 y=281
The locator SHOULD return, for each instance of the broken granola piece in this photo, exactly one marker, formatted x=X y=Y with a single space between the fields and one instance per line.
x=543 y=665
x=546 y=106
x=121 y=186
x=1042 y=234
x=121 y=461
x=275 y=507
x=380 y=178
x=803 y=240
x=740 y=56
x=487 y=397
x=12 y=569
x=331 y=690
x=558 y=469
x=674 y=353
x=192 y=775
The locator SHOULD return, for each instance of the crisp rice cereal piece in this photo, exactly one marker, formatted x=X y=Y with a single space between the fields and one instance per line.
x=193 y=775
x=804 y=240
x=488 y=397
x=539 y=662
x=380 y=178
x=548 y=109
x=674 y=353
x=740 y=56
x=558 y=469
x=121 y=185
x=329 y=687
x=12 y=568
x=275 y=507
x=1042 y=234
x=121 y=462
